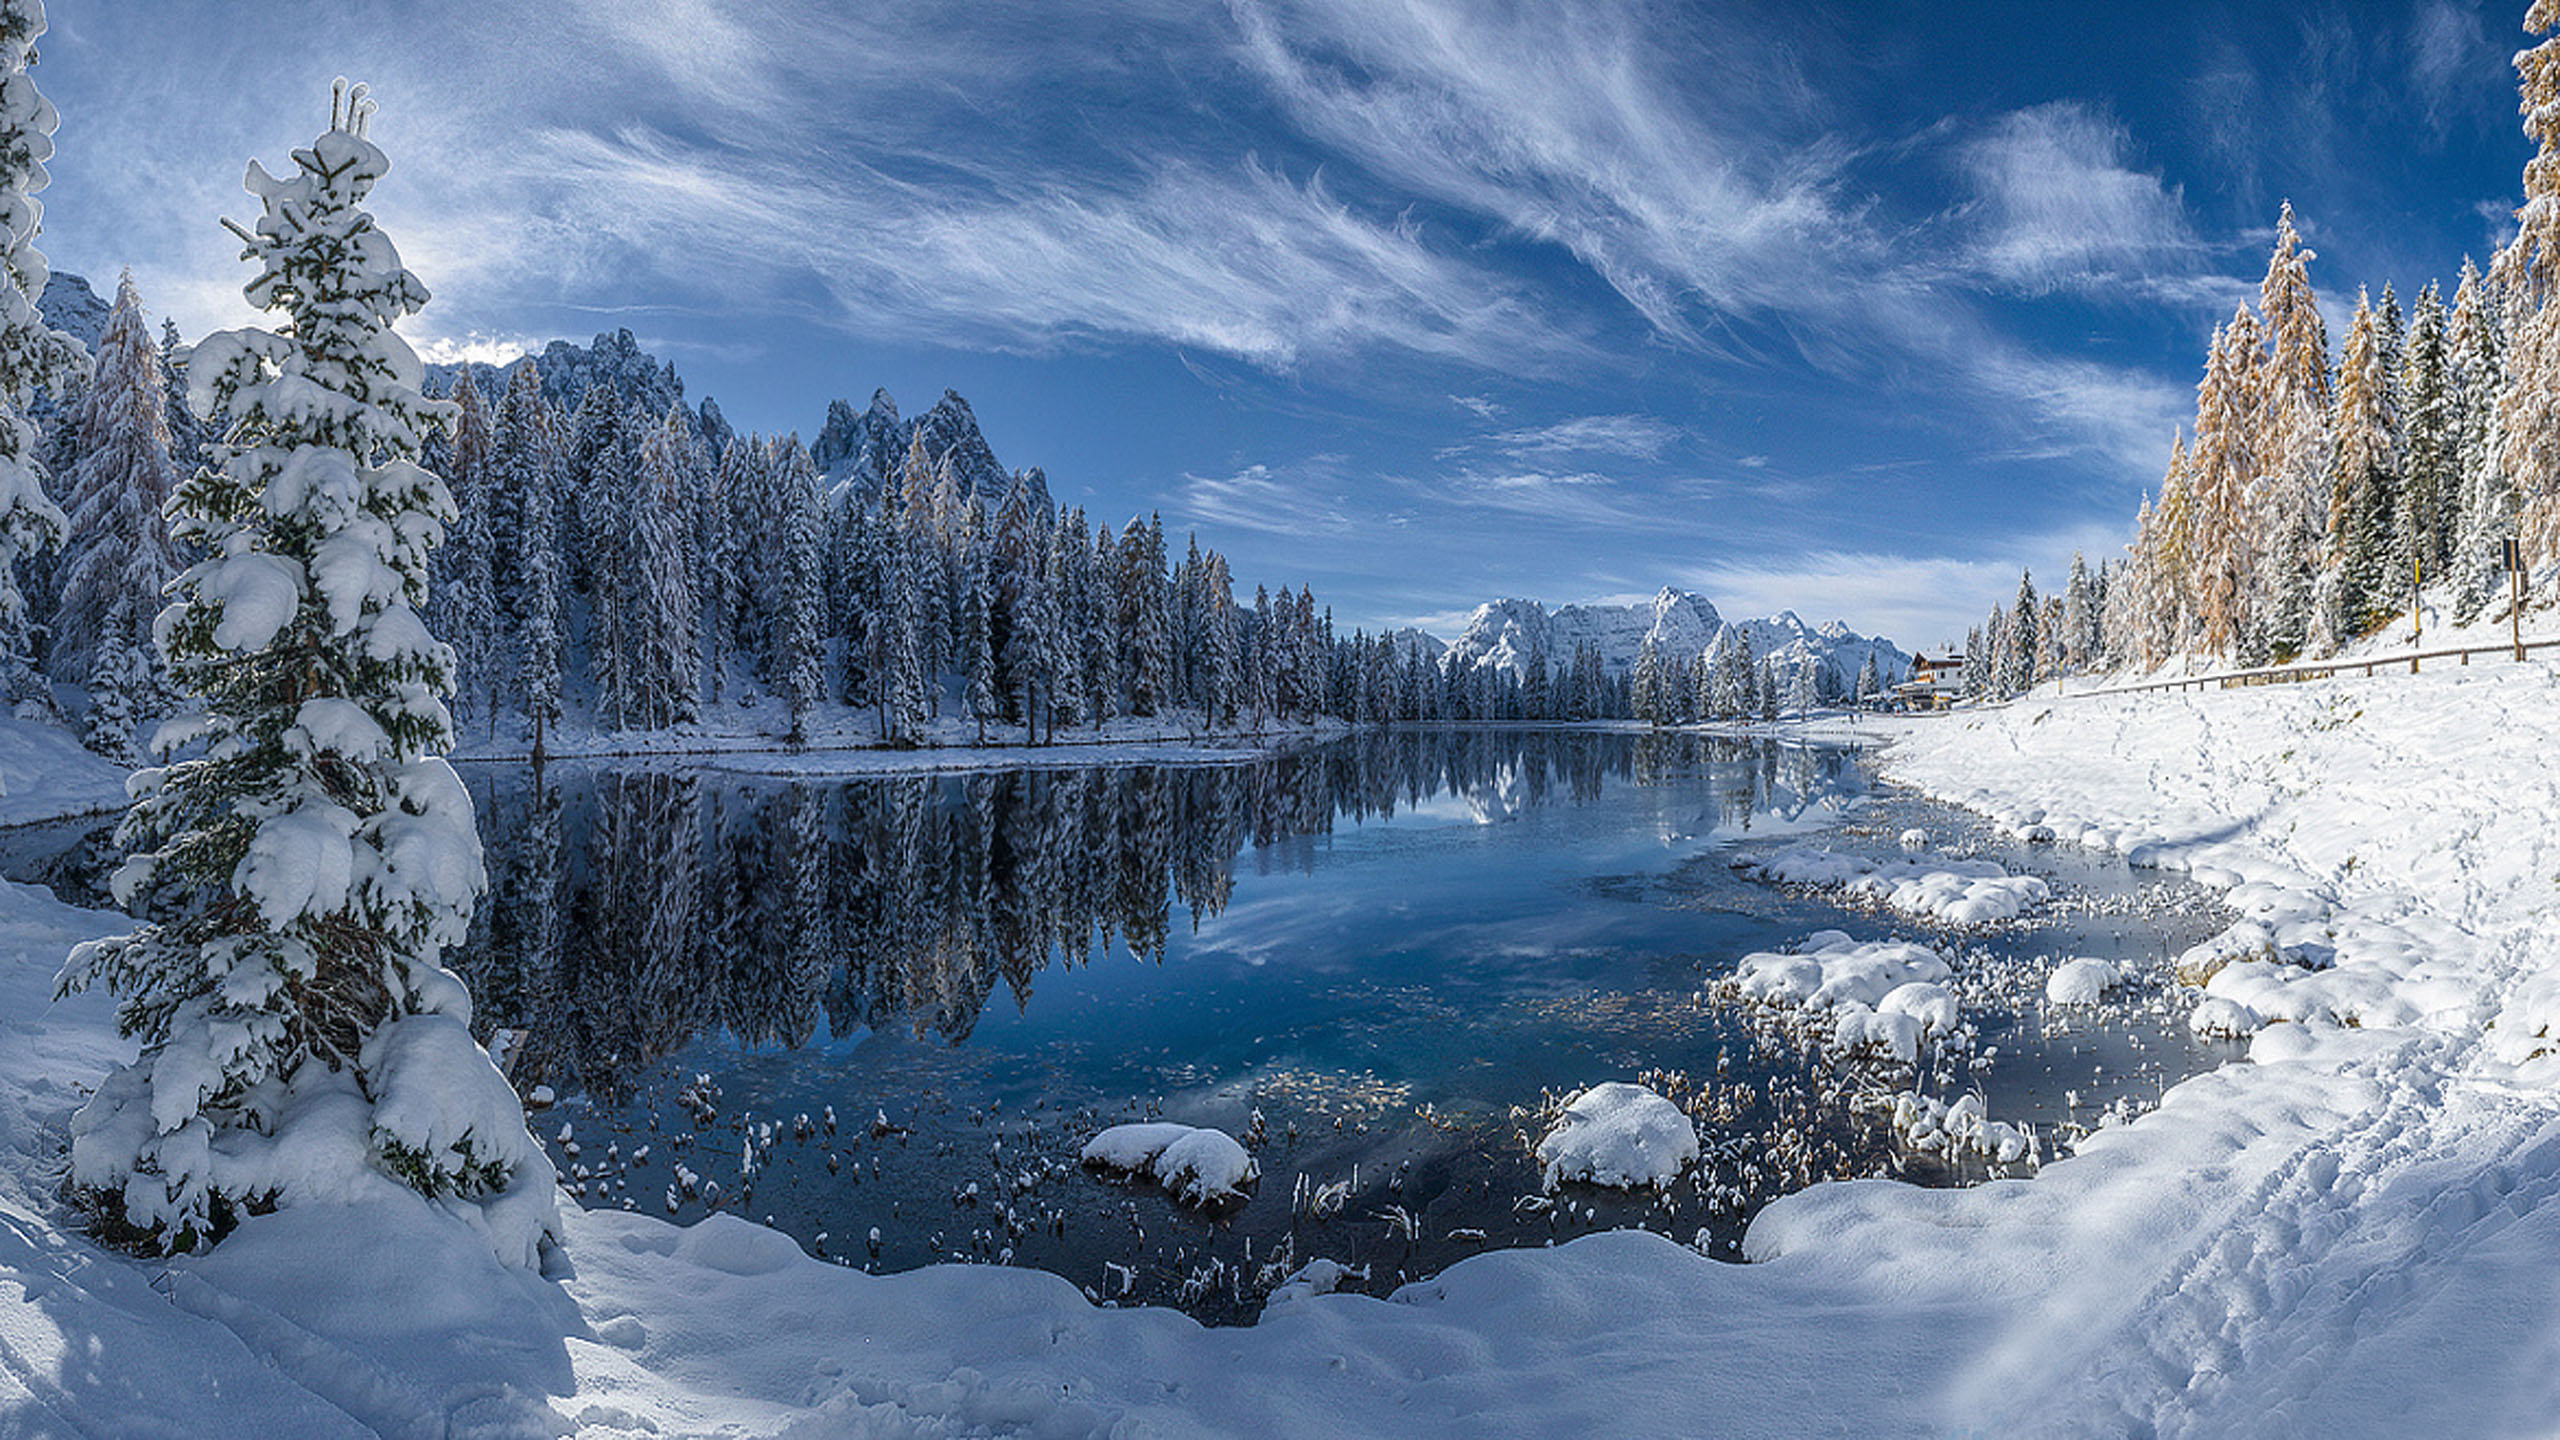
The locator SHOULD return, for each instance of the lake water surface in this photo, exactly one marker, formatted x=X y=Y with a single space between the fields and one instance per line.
x=1380 y=961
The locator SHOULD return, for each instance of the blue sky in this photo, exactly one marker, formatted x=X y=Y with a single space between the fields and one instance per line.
x=1838 y=307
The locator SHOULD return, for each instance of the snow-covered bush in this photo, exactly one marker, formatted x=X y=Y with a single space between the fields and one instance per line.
x=307 y=855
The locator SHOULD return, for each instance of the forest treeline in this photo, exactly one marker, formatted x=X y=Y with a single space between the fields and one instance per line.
x=2315 y=495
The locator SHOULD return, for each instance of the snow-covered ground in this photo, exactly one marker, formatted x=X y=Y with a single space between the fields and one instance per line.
x=2353 y=1232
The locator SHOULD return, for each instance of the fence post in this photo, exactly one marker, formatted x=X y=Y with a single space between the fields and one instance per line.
x=2515 y=596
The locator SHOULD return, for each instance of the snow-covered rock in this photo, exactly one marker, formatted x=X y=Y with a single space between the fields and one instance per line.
x=1833 y=970
x=2081 y=982
x=1196 y=1166
x=2225 y=1018
x=1959 y=892
x=1619 y=1135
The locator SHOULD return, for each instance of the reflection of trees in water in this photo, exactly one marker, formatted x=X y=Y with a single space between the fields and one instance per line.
x=633 y=911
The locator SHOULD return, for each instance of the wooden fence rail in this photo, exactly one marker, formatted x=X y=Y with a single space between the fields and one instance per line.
x=2322 y=669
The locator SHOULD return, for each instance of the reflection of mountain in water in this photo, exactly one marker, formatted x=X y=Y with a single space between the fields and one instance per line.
x=633 y=911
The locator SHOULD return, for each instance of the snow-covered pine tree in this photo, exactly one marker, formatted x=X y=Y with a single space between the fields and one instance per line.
x=662 y=667
x=186 y=432
x=865 y=607
x=977 y=619
x=718 y=547
x=2209 y=547
x=2359 y=589
x=524 y=476
x=1021 y=622
x=2429 y=456
x=2025 y=627
x=848 y=539
x=1105 y=669
x=1220 y=643
x=125 y=688
x=804 y=610
x=603 y=457
x=754 y=490
x=2487 y=518
x=1645 y=682
x=926 y=569
x=594 y=473
x=312 y=859
x=2294 y=450
x=1259 y=696
x=2527 y=271
x=1059 y=661
x=1736 y=697
x=1870 y=687
x=903 y=706
x=118 y=557
x=2081 y=616
x=1145 y=638
x=32 y=355
x=462 y=600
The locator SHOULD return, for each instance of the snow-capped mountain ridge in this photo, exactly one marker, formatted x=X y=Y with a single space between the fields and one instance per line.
x=868 y=450
x=1680 y=624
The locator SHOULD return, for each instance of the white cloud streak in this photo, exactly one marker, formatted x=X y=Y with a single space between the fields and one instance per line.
x=2063 y=210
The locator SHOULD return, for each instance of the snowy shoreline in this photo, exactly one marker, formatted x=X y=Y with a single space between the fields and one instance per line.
x=2350 y=1233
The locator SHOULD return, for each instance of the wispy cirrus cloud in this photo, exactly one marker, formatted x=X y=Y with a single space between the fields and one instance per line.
x=2059 y=207
x=1638 y=437
x=1577 y=129
x=1244 y=262
x=1308 y=497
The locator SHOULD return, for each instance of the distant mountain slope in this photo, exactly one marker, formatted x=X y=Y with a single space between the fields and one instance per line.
x=861 y=447
x=72 y=307
x=1680 y=623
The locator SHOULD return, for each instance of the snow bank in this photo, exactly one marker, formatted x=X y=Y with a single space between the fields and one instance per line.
x=45 y=775
x=1959 y=892
x=1196 y=1166
x=1619 y=1135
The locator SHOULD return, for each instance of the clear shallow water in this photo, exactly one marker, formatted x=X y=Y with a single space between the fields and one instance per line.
x=1396 y=951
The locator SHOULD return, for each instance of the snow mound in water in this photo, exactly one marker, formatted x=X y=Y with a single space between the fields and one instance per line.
x=1835 y=971
x=2081 y=982
x=1196 y=1166
x=1960 y=892
x=1619 y=1135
